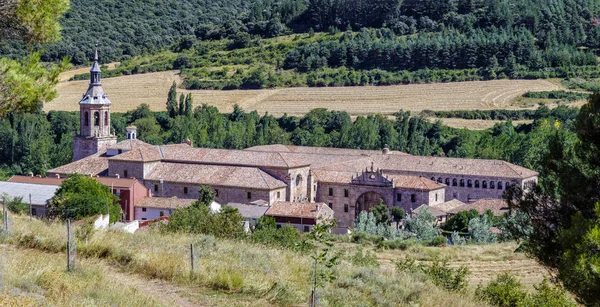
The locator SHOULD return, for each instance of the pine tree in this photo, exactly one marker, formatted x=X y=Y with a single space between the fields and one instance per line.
x=188 y=104
x=172 y=101
x=181 y=104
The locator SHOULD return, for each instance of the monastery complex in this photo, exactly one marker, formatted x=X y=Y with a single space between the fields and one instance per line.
x=347 y=180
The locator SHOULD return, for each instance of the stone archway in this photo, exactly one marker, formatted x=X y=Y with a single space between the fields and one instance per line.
x=366 y=201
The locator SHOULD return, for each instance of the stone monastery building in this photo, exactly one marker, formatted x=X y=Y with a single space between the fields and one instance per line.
x=348 y=180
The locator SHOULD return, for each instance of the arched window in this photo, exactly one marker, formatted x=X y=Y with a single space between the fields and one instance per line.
x=96 y=119
x=507 y=185
x=462 y=182
x=454 y=182
x=477 y=183
x=106 y=118
x=298 y=180
x=448 y=181
x=499 y=185
x=484 y=184
x=492 y=185
x=440 y=180
x=469 y=183
x=86 y=119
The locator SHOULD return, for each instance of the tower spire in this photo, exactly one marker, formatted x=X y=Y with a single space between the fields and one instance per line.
x=95 y=71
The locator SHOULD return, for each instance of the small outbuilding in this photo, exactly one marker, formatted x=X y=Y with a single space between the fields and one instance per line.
x=302 y=216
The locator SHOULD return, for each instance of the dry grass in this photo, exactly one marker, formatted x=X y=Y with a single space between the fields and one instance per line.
x=127 y=92
x=34 y=278
x=238 y=273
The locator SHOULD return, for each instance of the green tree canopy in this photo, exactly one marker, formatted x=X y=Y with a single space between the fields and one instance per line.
x=81 y=196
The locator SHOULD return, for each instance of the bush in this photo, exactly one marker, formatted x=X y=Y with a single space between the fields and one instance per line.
x=481 y=232
x=438 y=241
x=286 y=236
x=363 y=238
x=457 y=239
x=368 y=259
x=15 y=204
x=504 y=291
x=400 y=244
x=422 y=225
x=448 y=278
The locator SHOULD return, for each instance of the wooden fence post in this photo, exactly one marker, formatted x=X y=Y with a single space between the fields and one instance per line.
x=192 y=258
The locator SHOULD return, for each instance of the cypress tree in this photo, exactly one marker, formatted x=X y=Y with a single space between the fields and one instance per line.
x=172 y=101
x=188 y=104
x=181 y=104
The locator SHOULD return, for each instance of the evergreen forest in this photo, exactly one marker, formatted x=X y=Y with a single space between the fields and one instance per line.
x=276 y=43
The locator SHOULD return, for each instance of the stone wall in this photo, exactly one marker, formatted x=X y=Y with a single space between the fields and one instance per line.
x=224 y=194
x=294 y=192
x=87 y=146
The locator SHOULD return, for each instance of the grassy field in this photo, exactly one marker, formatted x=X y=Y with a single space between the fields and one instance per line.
x=153 y=269
x=127 y=92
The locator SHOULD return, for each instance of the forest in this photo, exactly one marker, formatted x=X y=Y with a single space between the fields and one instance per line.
x=272 y=43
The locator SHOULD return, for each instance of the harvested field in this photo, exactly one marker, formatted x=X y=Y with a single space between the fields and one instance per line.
x=127 y=92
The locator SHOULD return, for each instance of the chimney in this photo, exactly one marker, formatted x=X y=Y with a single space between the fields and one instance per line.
x=30 y=174
x=58 y=176
x=386 y=150
x=188 y=141
x=117 y=175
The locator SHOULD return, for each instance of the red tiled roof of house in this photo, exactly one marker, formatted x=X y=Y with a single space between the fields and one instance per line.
x=164 y=202
x=95 y=164
x=215 y=175
x=293 y=209
x=497 y=206
x=129 y=144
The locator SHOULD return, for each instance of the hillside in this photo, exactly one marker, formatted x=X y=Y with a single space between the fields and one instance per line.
x=247 y=44
x=153 y=268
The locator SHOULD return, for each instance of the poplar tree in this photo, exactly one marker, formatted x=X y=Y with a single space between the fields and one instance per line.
x=188 y=104
x=181 y=104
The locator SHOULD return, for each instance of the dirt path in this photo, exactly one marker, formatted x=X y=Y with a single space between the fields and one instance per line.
x=165 y=293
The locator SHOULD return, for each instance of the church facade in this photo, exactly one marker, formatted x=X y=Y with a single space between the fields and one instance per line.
x=347 y=180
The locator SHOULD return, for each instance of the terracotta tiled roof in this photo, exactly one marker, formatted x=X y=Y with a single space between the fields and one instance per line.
x=107 y=181
x=453 y=166
x=304 y=210
x=320 y=150
x=164 y=202
x=415 y=182
x=129 y=144
x=141 y=154
x=433 y=210
x=215 y=175
x=449 y=205
x=497 y=206
x=96 y=164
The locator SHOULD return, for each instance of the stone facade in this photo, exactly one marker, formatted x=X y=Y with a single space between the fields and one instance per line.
x=86 y=146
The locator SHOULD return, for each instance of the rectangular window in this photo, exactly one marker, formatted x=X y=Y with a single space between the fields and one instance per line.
x=278 y=195
x=306 y=228
x=143 y=209
x=413 y=198
x=216 y=193
x=346 y=208
x=125 y=174
x=346 y=193
x=33 y=211
x=249 y=194
x=435 y=196
x=143 y=219
x=399 y=197
x=156 y=188
x=330 y=191
x=185 y=190
x=331 y=205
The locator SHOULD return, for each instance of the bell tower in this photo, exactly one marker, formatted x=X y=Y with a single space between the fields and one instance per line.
x=94 y=119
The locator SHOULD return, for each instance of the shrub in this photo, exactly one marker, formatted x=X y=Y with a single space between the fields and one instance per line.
x=368 y=259
x=457 y=239
x=480 y=231
x=438 y=241
x=15 y=204
x=363 y=238
x=286 y=236
x=504 y=291
x=549 y=296
x=448 y=278
x=422 y=225
x=400 y=244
